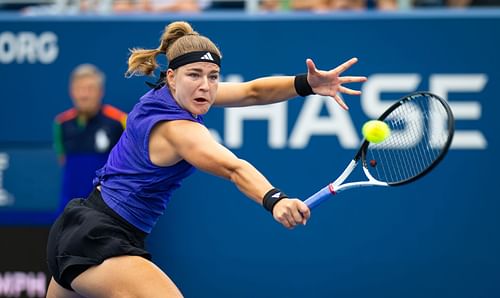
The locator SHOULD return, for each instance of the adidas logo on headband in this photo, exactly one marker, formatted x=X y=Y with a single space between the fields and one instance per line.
x=196 y=56
x=207 y=56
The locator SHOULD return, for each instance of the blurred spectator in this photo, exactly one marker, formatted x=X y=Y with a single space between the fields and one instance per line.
x=226 y=4
x=158 y=5
x=386 y=4
x=313 y=5
x=428 y=3
x=363 y=4
x=473 y=3
x=347 y=4
x=458 y=3
x=272 y=5
x=71 y=7
x=85 y=134
x=327 y=5
x=455 y=3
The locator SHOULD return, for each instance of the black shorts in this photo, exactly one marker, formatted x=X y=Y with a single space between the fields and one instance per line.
x=87 y=233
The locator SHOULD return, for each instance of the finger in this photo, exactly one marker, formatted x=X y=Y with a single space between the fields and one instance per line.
x=340 y=101
x=344 y=66
x=305 y=211
x=283 y=218
x=350 y=79
x=311 y=67
x=291 y=220
x=286 y=224
x=297 y=216
x=349 y=91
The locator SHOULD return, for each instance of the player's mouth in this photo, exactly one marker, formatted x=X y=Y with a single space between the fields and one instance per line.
x=201 y=100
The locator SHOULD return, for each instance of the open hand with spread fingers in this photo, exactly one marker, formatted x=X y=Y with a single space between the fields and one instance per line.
x=330 y=83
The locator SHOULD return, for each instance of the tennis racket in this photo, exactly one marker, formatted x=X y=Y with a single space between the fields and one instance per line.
x=422 y=127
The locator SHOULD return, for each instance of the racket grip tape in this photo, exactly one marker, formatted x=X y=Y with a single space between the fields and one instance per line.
x=319 y=197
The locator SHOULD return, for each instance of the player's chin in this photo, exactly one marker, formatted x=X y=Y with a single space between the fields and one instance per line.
x=201 y=109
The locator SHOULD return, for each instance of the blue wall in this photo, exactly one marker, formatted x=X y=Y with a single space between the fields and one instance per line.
x=435 y=238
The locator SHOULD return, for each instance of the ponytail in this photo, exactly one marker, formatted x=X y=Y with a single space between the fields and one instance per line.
x=178 y=38
x=142 y=62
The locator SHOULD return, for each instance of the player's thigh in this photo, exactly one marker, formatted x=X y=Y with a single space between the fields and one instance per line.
x=125 y=276
x=57 y=291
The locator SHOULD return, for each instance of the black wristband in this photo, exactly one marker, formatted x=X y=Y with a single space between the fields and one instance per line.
x=302 y=86
x=271 y=198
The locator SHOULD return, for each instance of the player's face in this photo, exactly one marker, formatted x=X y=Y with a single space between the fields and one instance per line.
x=86 y=93
x=194 y=86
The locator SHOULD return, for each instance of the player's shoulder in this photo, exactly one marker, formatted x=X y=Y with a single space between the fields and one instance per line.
x=67 y=115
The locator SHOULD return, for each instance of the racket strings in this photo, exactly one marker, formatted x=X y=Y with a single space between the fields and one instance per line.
x=419 y=134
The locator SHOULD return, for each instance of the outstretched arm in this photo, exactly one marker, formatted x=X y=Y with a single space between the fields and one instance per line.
x=279 y=88
x=194 y=143
x=260 y=91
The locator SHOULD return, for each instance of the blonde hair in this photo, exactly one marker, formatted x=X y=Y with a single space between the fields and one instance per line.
x=178 y=38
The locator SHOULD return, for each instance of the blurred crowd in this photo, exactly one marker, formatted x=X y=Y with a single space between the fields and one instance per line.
x=159 y=6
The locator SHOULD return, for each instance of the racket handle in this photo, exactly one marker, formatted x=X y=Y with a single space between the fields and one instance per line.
x=319 y=197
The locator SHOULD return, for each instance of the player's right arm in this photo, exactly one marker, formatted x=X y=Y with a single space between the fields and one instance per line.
x=193 y=142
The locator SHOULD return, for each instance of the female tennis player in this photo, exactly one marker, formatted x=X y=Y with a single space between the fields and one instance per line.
x=96 y=247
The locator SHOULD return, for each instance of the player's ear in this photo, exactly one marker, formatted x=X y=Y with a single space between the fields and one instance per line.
x=171 y=79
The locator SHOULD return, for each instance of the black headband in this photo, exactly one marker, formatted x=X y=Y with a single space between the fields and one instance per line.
x=191 y=57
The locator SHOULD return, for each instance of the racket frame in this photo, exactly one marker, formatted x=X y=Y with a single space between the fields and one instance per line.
x=337 y=186
x=451 y=129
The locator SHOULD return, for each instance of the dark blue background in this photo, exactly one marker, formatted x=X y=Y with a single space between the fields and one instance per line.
x=435 y=238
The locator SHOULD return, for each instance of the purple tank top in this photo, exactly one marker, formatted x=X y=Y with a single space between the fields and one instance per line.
x=131 y=184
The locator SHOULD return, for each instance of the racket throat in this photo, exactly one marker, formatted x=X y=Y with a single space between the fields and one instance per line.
x=331 y=188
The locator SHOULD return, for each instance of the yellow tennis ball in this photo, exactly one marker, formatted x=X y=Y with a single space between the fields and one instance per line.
x=376 y=131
